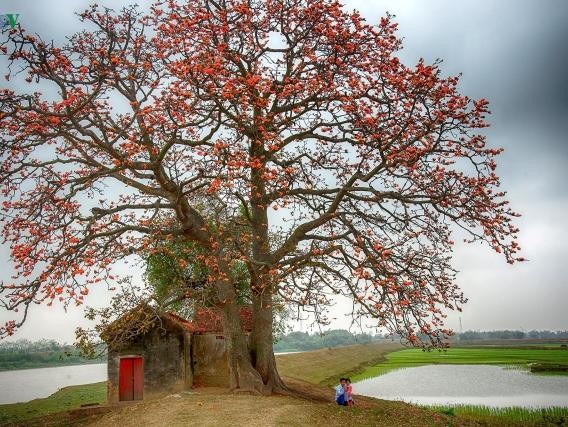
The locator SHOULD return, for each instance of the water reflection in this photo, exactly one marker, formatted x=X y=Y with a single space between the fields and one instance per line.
x=493 y=386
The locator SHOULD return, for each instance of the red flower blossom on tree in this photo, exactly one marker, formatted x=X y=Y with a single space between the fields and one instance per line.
x=229 y=110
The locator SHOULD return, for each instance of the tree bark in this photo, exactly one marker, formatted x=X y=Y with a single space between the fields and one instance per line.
x=242 y=374
x=252 y=367
x=260 y=348
x=261 y=343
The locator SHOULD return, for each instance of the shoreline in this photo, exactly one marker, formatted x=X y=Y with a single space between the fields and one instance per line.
x=313 y=371
x=52 y=366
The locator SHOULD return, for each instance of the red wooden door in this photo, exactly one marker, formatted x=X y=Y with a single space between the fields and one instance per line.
x=131 y=378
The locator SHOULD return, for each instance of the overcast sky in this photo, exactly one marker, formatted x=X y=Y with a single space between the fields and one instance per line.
x=513 y=53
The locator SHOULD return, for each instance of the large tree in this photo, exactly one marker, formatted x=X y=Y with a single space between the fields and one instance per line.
x=156 y=125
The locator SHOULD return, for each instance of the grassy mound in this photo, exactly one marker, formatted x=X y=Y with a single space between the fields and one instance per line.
x=66 y=399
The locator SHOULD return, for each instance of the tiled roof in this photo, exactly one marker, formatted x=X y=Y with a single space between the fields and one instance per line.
x=209 y=320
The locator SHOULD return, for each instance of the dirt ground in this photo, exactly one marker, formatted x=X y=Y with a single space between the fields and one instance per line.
x=206 y=407
x=218 y=408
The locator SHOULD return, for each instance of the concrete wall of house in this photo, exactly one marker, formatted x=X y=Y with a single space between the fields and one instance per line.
x=113 y=363
x=164 y=358
x=209 y=356
x=166 y=362
x=174 y=361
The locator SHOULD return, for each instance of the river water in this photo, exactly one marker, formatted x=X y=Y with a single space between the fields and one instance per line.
x=486 y=385
x=27 y=384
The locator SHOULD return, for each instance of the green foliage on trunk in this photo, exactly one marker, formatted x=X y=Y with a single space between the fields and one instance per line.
x=177 y=274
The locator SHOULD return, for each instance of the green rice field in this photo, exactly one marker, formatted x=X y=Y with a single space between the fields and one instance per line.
x=465 y=356
x=545 y=416
x=517 y=357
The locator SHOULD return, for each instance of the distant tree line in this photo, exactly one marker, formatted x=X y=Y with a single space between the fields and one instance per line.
x=511 y=334
x=301 y=341
x=23 y=353
x=505 y=334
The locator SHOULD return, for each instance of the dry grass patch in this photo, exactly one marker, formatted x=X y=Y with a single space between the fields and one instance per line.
x=326 y=365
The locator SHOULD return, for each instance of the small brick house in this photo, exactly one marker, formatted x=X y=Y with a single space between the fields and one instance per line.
x=168 y=353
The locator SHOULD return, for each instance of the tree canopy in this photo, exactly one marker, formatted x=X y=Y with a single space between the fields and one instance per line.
x=350 y=169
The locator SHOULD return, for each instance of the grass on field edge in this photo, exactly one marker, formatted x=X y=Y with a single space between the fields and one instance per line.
x=65 y=399
x=553 y=415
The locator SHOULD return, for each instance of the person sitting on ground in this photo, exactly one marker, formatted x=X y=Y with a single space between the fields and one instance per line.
x=349 y=392
x=340 y=393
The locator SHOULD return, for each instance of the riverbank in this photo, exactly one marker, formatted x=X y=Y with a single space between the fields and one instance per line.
x=325 y=366
x=310 y=373
x=24 y=354
x=305 y=373
x=63 y=363
x=514 y=415
x=66 y=399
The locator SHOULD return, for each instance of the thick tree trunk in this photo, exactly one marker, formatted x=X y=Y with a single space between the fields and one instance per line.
x=242 y=375
x=261 y=343
x=252 y=367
